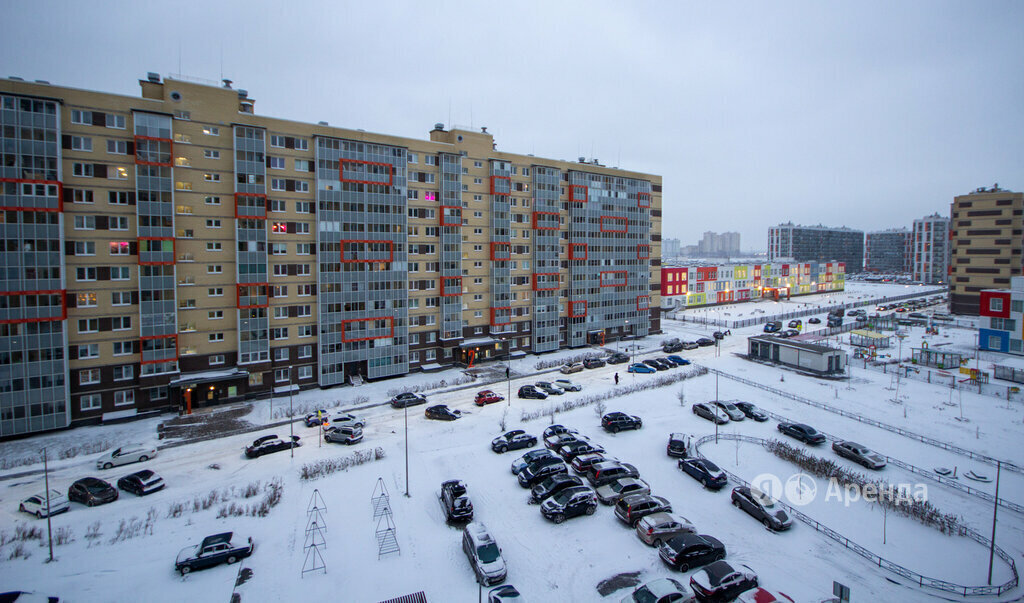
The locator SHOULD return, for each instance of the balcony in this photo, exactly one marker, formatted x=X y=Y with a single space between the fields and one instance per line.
x=186 y=257
x=187 y=281
x=184 y=210
x=187 y=328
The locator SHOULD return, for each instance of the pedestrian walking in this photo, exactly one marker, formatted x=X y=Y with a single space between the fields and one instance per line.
x=616 y=378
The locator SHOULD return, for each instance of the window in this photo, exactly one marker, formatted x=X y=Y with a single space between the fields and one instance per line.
x=303 y=248
x=117 y=197
x=81 y=117
x=120 y=273
x=305 y=331
x=216 y=359
x=304 y=207
x=85 y=222
x=210 y=177
x=1017 y=306
x=90 y=402
x=215 y=314
x=91 y=350
x=86 y=300
x=302 y=165
x=306 y=351
x=276 y=163
x=211 y=154
x=305 y=372
x=120 y=298
x=89 y=376
x=121 y=323
x=186 y=115
x=304 y=290
x=119 y=248
x=215 y=292
x=81 y=143
x=123 y=348
x=995 y=342
x=277 y=184
x=89 y=325
x=124 y=373
x=158 y=393
x=280 y=312
x=124 y=397
x=280 y=353
x=214 y=269
x=81 y=196
x=280 y=290
x=213 y=223
x=302 y=228
x=278 y=206
x=282 y=375
x=117 y=172
x=211 y=130
x=85 y=248
x=302 y=270
x=430 y=355
x=995 y=304
x=213 y=200
x=279 y=333
x=118 y=223
x=215 y=337
x=304 y=311
x=214 y=246
x=115 y=121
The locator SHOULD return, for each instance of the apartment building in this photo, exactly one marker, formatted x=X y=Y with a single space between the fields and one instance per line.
x=816 y=244
x=698 y=285
x=1002 y=318
x=986 y=233
x=177 y=250
x=930 y=247
x=888 y=251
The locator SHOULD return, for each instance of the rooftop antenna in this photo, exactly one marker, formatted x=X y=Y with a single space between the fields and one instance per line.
x=222 y=59
x=449 y=112
x=179 y=58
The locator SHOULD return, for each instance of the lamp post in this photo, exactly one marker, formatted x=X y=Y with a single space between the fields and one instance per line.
x=291 y=413
x=406 y=407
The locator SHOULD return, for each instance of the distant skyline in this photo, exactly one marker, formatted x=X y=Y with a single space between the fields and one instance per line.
x=866 y=115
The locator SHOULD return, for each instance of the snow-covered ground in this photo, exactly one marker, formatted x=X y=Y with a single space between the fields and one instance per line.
x=546 y=562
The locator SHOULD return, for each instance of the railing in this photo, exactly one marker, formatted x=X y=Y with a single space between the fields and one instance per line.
x=919 y=579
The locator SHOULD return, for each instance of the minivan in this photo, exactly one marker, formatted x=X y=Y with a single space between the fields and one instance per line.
x=484 y=554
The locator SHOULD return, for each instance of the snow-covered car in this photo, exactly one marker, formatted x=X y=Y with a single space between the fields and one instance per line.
x=91 y=491
x=270 y=443
x=760 y=595
x=125 y=455
x=711 y=413
x=347 y=419
x=558 y=440
x=657 y=528
x=662 y=590
x=609 y=494
x=487 y=397
x=141 y=483
x=705 y=472
x=678 y=445
x=227 y=547
x=859 y=454
x=520 y=463
x=557 y=429
x=316 y=418
x=483 y=554
x=568 y=385
x=441 y=412
x=761 y=507
x=571 y=367
x=573 y=449
x=553 y=485
x=506 y=593
x=513 y=440
x=455 y=502
x=344 y=434
x=631 y=509
x=583 y=462
x=735 y=414
x=38 y=505
x=719 y=581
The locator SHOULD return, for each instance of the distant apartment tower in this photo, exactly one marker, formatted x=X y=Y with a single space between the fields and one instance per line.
x=817 y=244
x=887 y=251
x=713 y=244
x=985 y=229
x=670 y=248
x=929 y=252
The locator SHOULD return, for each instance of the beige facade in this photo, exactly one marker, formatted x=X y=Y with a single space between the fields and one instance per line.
x=101 y=165
x=986 y=229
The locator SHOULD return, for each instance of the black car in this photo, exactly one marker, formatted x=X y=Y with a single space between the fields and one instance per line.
x=570 y=502
x=752 y=411
x=513 y=440
x=214 y=550
x=537 y=472
x=553 y=485
x=654 y=364
x=441 y=412
x=705 y=342
x=141 y=483
x=859 y=454
x=92 y=491
x=270 y=443
x=705 y=472
x=672 y=348
x=407 y=399
x=574 y=449
x=593 y=363
x=719 y=581
x=557 y=441
x=687 y=551
x=772 y=327
x=804 y=433
x=796 y=323
x=678 y=445
x=718 y=335
x=631 y=509
x=617 y=421
x=530 y=391
x=530 y=457
x=814 y=320
x=557 y=429
x=789 y=333
x=454 y=502
x=668 y=363
x=618 y=358
x=761 y=507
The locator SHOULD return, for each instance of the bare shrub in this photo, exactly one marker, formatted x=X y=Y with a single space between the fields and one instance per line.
x=92 y=533
x=503 y=422
x=599 y=408
x=312 y=471
x=251 y=490
x=175 y=509
x=460 y=380
x=546 y=364
x=20 y=551
x=62 y=536
x=23 y=533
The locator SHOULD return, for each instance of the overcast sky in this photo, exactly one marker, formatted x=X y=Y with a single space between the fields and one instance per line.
x=864 y=114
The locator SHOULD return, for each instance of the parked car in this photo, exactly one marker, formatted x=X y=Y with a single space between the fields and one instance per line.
x=316 y=418
x=344 y=434
x=705 y=342
x=92 y=491
x=534 y=473
x=345 y=419
x=407 y=399
x=761 y=507
x=690 y=345
x=487 y=397
x=506 y=593
x=677 y=360
x=772 y=327
x=835 y=321
x=556 y=429
x=125 y=455
x=141 y=483
x=610 y=493
x=752 y=412
x=796 y=323
x=441 y=412
x=718 y=335
x=553 y=485
x=666 y=362
x=678 y=445
x=705 y=472
x=804 y=433
x=719 y=581
x=38 y=505
x=814 y=320
x=662 y=590
x=549 y=388
x=270 y=443
x=859 y=454
x=484 y=554
x=687 y=551
x=618 y=358
x=730 y=409
x=570 y=502
x=574 y=449
x=513 y=440
x=654 y=364
x=760 y=595
x=609 y=471
x=617 y=421
x=711 y=413
x=593 y=363
x=789 y=333
x=227 y=547
x=640 y=368
x=583 y=462
x=571 y=367
x=455 y=502
x=534 y=455
x=657 y=528
x=631 y=509
x=672 y=348
x=529 y=391
x=568 y=385
x=554 y=442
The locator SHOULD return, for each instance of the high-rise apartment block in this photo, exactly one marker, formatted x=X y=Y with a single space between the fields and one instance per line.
x=888 y=251
x=713 y=244
x=930 y=247
x=177 y=249
x=986 y=229
x=817 y=244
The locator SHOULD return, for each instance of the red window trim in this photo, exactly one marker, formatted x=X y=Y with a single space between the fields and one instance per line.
x=341 y=171
x=572 y=251
x=60 y=195
x=648 y=306
x=63 y=306
x=238 y=295
x=163 y=360
x=643 y=195
x=390 y=319
x=257 y=195
x=174 y=250
x=509 y=178
x=641 y=246
x=617 y=219
x=572 y=308
x=445 y=286
x=572 y=193
x=548 y=213
x=391 y=251
x=498 y=324
x=494 y=246
x=443 y=216
x=538 y=288
x=170 y=151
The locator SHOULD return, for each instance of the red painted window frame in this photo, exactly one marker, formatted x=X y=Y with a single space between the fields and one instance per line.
x=60 y=195
x=546 y=213
x=445 y=286
x=572 y=308
x=148 y=337
x=170 y=154
x=641 y=246
x=495 y=245
x=498 y=324
x=572 y=251
x=536 y=288
x=442 y=216
x=509 y=178
x=643 y=195
x=572 y=193
x=257 y=195
x=640 y=297
x=238 y=295
x=63 y=305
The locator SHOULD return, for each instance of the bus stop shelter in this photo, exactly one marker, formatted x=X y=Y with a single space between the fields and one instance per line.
x=864 y=338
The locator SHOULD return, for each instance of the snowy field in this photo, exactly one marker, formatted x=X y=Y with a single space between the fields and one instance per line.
x=546 y=562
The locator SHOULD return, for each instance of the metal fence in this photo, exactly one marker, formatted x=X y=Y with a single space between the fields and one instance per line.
x=948 y=379
x=861 y=418
x=919 y=579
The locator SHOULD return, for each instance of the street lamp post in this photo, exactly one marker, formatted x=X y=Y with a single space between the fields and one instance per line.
x=291 y=413
x=406 y=407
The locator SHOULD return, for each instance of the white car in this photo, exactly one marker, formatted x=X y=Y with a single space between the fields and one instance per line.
x=124 y=456
x=662 y=589
x=346 y=419
x=568 y=385
x=36 y=504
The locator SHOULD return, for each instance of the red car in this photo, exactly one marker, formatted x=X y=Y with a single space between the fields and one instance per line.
x=487 y=397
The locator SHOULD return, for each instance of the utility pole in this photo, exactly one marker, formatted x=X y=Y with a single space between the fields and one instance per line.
x=715 y=408
x=291 y=413
x=995 y=509
x=406 y=407
x=49 y=525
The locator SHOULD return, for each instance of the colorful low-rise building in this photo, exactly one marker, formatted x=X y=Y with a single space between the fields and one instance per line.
x=1002 y=318
x=698 y=285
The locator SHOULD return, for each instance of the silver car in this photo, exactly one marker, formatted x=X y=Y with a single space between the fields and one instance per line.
x=610 y=494
x=344 y=434
x=735 y=414
x=662 y=527
x=569 y=385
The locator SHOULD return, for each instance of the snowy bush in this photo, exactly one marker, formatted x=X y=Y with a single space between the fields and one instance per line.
x=93 y=532
x=422 y=387
x=306 y=408
x=23 y=533
x=62 y=536
x=19 y=551
x=312 y=471
x=127 y=529
x=546 y=364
